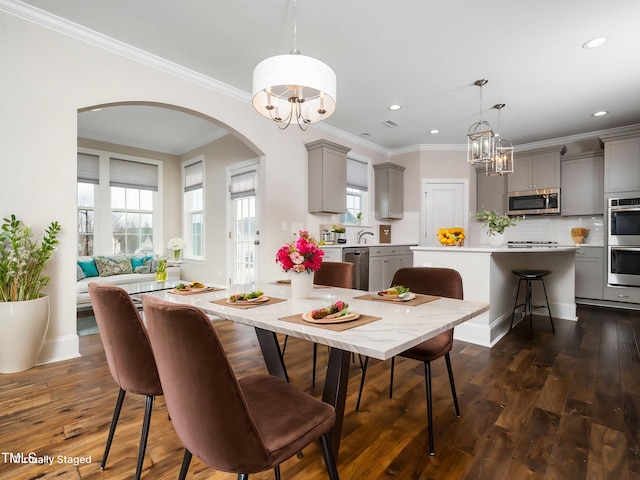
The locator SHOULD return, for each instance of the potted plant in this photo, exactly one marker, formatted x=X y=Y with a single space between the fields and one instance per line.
x=161 y=270
x=24 y=311
x=496 y=225
x=359 y=217
x=340 y=233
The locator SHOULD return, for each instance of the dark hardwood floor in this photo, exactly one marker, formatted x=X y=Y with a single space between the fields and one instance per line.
x=564 y=406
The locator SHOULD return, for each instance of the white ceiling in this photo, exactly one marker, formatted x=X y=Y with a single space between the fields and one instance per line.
x=422 y=54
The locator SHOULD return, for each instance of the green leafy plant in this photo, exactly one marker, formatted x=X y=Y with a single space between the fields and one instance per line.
x=338 y=229
x=359 y=216
x=22 y=259
x=495 y=222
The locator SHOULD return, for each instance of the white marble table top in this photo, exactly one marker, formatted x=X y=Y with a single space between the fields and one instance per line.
x=399 y=328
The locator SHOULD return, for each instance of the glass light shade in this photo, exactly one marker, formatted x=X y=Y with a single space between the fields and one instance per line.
x=480 y=143
x=294 y=86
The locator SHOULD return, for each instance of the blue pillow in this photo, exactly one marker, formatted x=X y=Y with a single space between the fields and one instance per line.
x=137 y=261
x=88 y=268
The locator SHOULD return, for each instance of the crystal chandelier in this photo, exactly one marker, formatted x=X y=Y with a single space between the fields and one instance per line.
x=288 y=87
x=503 y=159
x=480 y=137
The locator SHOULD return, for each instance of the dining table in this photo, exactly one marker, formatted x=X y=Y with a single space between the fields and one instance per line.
x=383 y=327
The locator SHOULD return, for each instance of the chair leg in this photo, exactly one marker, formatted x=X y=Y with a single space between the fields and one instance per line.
x=548 y=307
x=186 y=460
x=427 y=378
x=276 y=470
x=112 y=429
x=145 y=434
x=447 y=359
x=393 y=366
x=364 y=373
x=315 y=361
x=515 y=304
x=243 y=476
x=329 y=458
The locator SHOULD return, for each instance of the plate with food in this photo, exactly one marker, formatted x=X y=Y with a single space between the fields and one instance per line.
x=397 y=293
x=337 y=313
x=247 y=298
x=192 y=287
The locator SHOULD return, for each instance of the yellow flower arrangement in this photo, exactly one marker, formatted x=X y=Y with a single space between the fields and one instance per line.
x=451 y=236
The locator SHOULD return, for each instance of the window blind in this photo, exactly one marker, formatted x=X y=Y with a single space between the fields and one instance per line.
x=88 y=168
x=357 y=174
x=193 y=176
x=243 y=185
x=128 y=174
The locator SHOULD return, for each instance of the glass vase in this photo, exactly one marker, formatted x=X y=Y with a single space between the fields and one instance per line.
x=161 y=276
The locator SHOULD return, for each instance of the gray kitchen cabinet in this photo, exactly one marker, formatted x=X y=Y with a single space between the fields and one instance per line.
x=389 y=191
x=582 y=184
x=621 y=163
x=384 y=262
x=535 y=170
x=491 y=192
x=590 y=272
x=327 y=177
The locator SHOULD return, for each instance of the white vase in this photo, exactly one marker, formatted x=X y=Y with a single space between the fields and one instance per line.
x=23 y=327
x=496 y=240
x=301 y=284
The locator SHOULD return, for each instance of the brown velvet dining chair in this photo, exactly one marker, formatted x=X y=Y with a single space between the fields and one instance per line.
x=129 y=356
x=240 y=425
x=441 y=282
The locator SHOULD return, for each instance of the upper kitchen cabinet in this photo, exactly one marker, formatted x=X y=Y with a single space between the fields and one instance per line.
x=582 y=184
x=622 y=162
x=535 y=170
x=491 y=192
x=389 y=191
x=327 y=177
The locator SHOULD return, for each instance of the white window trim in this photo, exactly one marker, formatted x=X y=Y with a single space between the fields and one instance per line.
x=186 y=228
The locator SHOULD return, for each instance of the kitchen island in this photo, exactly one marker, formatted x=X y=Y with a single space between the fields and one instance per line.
x=486 y=277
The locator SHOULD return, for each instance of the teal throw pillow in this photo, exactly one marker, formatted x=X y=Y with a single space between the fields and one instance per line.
x=137 y=261
x=117 y=265
x=89 y=268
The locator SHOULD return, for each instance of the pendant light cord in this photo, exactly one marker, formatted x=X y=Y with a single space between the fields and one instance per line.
x=294 y=50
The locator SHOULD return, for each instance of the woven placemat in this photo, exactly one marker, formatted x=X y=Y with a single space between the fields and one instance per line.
x=195 y=292
x=271 y=301
x=336 y=327
x=419 y=300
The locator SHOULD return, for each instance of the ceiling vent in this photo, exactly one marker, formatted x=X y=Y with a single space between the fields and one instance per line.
x=390 y=123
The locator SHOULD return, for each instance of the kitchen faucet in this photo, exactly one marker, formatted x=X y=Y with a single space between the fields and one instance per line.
x=361 y=234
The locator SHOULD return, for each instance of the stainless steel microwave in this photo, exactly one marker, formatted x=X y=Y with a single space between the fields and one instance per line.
x=544 y=201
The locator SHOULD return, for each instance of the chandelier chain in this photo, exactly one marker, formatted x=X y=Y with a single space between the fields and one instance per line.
x=295 y=50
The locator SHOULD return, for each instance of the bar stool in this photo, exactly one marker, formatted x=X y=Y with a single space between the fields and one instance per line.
x=529 y=276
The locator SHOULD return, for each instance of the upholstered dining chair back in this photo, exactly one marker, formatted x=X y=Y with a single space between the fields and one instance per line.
x=335 y=274
x=440 y=282
x=129 y=354
x=241 y=425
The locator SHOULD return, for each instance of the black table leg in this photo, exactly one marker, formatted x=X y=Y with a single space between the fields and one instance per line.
x=271 y=353
x=335 y=391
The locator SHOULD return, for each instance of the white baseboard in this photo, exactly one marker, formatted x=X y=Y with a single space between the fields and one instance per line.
x=58 y=349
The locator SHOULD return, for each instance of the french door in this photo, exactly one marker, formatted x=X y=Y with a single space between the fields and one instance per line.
x=244 y=233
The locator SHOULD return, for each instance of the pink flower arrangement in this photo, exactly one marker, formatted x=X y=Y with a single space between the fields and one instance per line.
x=302 y=255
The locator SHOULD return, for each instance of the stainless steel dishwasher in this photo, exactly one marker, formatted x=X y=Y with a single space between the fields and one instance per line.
x=359 y=256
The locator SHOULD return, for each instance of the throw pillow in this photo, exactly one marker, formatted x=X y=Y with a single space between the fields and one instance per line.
x=142 y=269
x=137 y=261
x=108 y=266
x=89 y=268
x=79 y=273
x=151 y=261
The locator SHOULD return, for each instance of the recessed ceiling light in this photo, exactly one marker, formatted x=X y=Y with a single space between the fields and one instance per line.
x=595 y=42
x=601 y=113
x=395 y=107
x=434 y=131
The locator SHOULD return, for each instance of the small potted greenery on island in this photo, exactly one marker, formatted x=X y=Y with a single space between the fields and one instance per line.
x=24 y=310
x=496 y=224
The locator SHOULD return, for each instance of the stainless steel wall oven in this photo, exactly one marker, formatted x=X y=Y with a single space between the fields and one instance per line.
x=623 y=239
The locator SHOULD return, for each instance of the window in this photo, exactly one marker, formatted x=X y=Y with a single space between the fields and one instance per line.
x=116 y=213
x=133 y=187
x=242 y=191
x=88 y=178
x=357 y=181
x=194 y=208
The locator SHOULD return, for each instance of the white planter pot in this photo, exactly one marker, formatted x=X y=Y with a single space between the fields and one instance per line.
x=496 y=240
x=301 y=285
x=23 y=328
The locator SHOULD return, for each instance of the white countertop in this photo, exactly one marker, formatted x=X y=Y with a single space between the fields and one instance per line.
x=350 y=245
x=503 y=249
